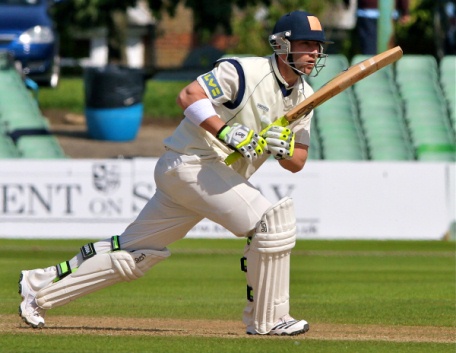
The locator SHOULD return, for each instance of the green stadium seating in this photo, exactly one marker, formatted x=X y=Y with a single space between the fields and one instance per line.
x=314 y=148
x=336 y=120
x=448 y=82
x=381 y=115
x=391 y=152
x=440 y=153
x=425 y=108
x=344 y=150
x=40 y=147
x=24 y=132
x=406 y=111
x=334 y=64
x=7 y=148
x=410 y=64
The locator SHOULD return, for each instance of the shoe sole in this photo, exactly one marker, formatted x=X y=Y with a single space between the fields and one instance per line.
x=295 y=333
x=40 y=325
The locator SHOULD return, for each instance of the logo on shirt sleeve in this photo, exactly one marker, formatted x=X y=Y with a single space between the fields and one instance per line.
x=212 y=85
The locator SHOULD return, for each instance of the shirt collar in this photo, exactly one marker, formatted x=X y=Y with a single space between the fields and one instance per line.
x=277 y=72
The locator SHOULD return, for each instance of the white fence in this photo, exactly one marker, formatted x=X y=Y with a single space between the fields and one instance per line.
x=333 y=200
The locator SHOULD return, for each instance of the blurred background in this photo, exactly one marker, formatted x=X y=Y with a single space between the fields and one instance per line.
x=162 y=35
x=98 y=79
x=89 y=58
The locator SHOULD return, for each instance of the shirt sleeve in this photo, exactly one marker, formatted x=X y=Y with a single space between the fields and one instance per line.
x=221 y=84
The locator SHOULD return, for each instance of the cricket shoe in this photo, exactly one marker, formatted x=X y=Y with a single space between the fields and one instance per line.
x=286 y=326
x=29 y=311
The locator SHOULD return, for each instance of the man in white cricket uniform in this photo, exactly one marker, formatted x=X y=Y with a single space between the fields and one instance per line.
x=225 y=110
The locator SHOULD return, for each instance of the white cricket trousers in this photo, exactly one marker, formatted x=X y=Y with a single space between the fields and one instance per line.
x=190 y=188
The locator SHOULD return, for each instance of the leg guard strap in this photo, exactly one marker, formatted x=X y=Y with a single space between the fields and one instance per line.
x=63 y=270
x=87 y=251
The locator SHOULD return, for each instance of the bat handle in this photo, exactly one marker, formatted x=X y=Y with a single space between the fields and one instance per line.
x=233 y=157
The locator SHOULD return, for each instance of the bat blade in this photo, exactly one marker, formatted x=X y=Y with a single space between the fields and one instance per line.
x=344 y=80
x=341 y=82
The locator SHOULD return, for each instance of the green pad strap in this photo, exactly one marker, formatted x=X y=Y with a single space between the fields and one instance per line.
x=63 y=270
x=88 y=251
x=115 y=243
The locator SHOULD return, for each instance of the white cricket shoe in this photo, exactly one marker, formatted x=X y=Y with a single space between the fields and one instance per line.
x=29 y=311
x=286 y=326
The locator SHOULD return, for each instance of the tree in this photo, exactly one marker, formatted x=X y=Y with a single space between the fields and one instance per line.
x=209 y=17
x=79 y=15
x=423 y=34
x=260 y=20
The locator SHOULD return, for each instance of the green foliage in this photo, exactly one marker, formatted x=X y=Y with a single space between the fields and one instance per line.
x=246 y=24
x=73 y=17
x=209 y=16
x=418 y=36
x=84 y=14
x=250 y=21
x=260 y=20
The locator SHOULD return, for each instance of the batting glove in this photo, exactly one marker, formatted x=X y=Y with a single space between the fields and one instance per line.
x=244 y=140
x=280 y=141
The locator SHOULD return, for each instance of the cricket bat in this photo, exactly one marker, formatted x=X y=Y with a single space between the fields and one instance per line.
x=333 y=87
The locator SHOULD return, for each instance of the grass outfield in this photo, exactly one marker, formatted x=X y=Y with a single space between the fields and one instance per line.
x=159 y=98
x=358 y=296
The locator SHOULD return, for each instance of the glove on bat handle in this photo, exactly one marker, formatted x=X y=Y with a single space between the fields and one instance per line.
x=333 y=87
x=233 y=157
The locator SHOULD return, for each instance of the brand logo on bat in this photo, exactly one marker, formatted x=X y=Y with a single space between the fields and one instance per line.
x=140 y=258
x=263 y=227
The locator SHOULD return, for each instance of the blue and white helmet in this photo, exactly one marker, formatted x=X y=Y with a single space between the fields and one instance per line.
x=298 y=25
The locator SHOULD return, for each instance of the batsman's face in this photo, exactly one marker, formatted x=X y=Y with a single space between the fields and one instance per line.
x=305 y=54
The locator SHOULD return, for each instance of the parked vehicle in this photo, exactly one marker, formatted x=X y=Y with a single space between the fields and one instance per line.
x=27 y=31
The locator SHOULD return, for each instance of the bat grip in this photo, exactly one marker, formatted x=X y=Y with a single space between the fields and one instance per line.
x=233 y=157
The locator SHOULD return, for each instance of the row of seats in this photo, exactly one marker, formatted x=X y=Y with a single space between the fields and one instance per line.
x=24 y=132
x=404 y=111
x=339 y=130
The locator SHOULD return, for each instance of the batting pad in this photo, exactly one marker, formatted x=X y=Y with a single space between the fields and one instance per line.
x=268 y=266
x=100 y=271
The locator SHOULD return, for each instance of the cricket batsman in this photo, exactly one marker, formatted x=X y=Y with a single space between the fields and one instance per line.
x=224 y=111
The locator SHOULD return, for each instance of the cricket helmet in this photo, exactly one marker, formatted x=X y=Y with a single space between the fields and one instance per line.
x=301 y=25
x=298 y=25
